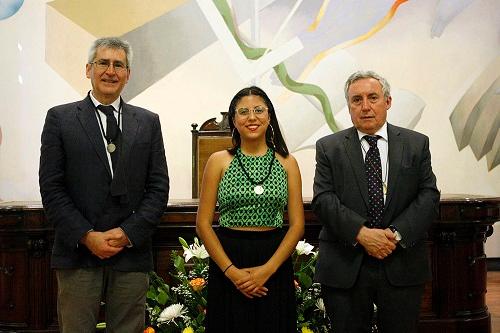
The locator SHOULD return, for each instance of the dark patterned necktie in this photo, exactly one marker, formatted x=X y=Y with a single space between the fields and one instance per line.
x=112 y=132
x=373 y=169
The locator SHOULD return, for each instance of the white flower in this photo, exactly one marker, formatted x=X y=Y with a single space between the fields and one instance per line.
x=304 y=248
x=172 y=312
x=195 y=250
x=320 y=304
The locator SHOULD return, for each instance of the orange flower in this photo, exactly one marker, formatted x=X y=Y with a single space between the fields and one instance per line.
x=297 y=285
x=149 y=330
x=197 y=284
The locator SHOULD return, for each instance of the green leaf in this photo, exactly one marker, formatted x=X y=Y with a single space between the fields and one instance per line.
x=305 y=279
x=151 y=294
x=156 y=309
x=183 y=242
x=162 y=297
x=179 y=264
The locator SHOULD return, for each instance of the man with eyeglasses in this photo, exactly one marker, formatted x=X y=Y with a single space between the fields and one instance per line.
x=104 y=186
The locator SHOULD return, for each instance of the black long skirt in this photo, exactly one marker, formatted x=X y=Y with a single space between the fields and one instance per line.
x=228 y=310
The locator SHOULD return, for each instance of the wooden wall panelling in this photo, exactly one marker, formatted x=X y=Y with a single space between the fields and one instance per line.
x=454 y=301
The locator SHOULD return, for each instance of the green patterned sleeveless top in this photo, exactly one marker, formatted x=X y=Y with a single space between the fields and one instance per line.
x=240 y=204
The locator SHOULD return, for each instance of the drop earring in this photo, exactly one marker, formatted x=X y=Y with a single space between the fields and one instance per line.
x=272 y=136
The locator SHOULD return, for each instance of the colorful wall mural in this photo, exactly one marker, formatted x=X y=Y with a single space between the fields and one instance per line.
x=442 y=58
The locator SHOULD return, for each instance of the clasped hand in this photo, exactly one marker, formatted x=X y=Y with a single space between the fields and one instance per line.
x=378 y=243
x=250 y=281
x=105 y=244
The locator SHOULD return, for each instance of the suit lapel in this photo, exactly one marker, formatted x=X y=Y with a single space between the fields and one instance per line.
x=353 y=151
x=87 y=117
x=129 y=131
x=396 y=150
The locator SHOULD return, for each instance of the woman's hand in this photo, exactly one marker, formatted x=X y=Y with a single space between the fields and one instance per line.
x=253 y=280
x=237 y=275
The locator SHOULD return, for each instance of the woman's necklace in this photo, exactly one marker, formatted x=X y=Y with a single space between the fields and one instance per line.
x=258 y=185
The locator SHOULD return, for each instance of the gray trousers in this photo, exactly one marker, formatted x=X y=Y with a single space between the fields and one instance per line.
x=80 y=292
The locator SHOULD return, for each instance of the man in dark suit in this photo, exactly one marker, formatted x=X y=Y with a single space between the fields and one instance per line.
x=376 y=196
x=104 y=185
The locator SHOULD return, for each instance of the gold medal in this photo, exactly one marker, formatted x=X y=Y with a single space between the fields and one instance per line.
x=111 y=147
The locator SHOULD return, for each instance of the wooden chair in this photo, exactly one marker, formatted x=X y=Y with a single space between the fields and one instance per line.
x=211 y=137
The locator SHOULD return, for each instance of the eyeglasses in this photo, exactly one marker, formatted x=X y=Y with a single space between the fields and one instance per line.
x=257 y=111
x=103 y=65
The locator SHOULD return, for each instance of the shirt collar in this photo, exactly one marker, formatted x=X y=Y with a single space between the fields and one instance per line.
x=382 y=132
x=115 y=104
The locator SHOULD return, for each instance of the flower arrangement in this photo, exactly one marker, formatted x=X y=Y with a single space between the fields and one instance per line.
x=311 y=314
x=180 y=307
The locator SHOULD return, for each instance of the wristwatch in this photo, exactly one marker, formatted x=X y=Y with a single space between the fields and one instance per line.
x=397 y=235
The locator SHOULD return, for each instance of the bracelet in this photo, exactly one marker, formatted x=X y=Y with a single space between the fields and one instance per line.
x=224 y=272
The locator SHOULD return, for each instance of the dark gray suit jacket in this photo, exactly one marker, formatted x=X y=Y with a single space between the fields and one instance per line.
x=79 y=194
x=341 y=203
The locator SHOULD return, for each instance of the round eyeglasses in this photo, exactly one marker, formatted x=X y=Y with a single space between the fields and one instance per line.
x=257 y=111
x=102 y=65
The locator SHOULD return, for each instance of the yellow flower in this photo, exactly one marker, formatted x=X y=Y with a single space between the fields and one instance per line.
x=306 y=329
x=188 y=329
x=197 y=284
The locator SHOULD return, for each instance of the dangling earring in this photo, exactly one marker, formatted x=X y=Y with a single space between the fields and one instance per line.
x=233 y=137
x=272 y=136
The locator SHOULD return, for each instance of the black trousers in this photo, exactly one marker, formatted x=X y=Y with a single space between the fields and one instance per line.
x=351 y=310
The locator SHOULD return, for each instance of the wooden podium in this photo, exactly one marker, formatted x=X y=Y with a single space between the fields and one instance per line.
x=454 y=301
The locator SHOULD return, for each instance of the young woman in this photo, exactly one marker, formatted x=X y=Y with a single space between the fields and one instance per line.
x=250 y=286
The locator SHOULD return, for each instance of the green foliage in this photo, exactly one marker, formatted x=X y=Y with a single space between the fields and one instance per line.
x=188 y=292
x=310 y=307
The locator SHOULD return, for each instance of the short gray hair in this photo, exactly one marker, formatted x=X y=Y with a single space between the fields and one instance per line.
x=112 y=43
x=386 y=88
